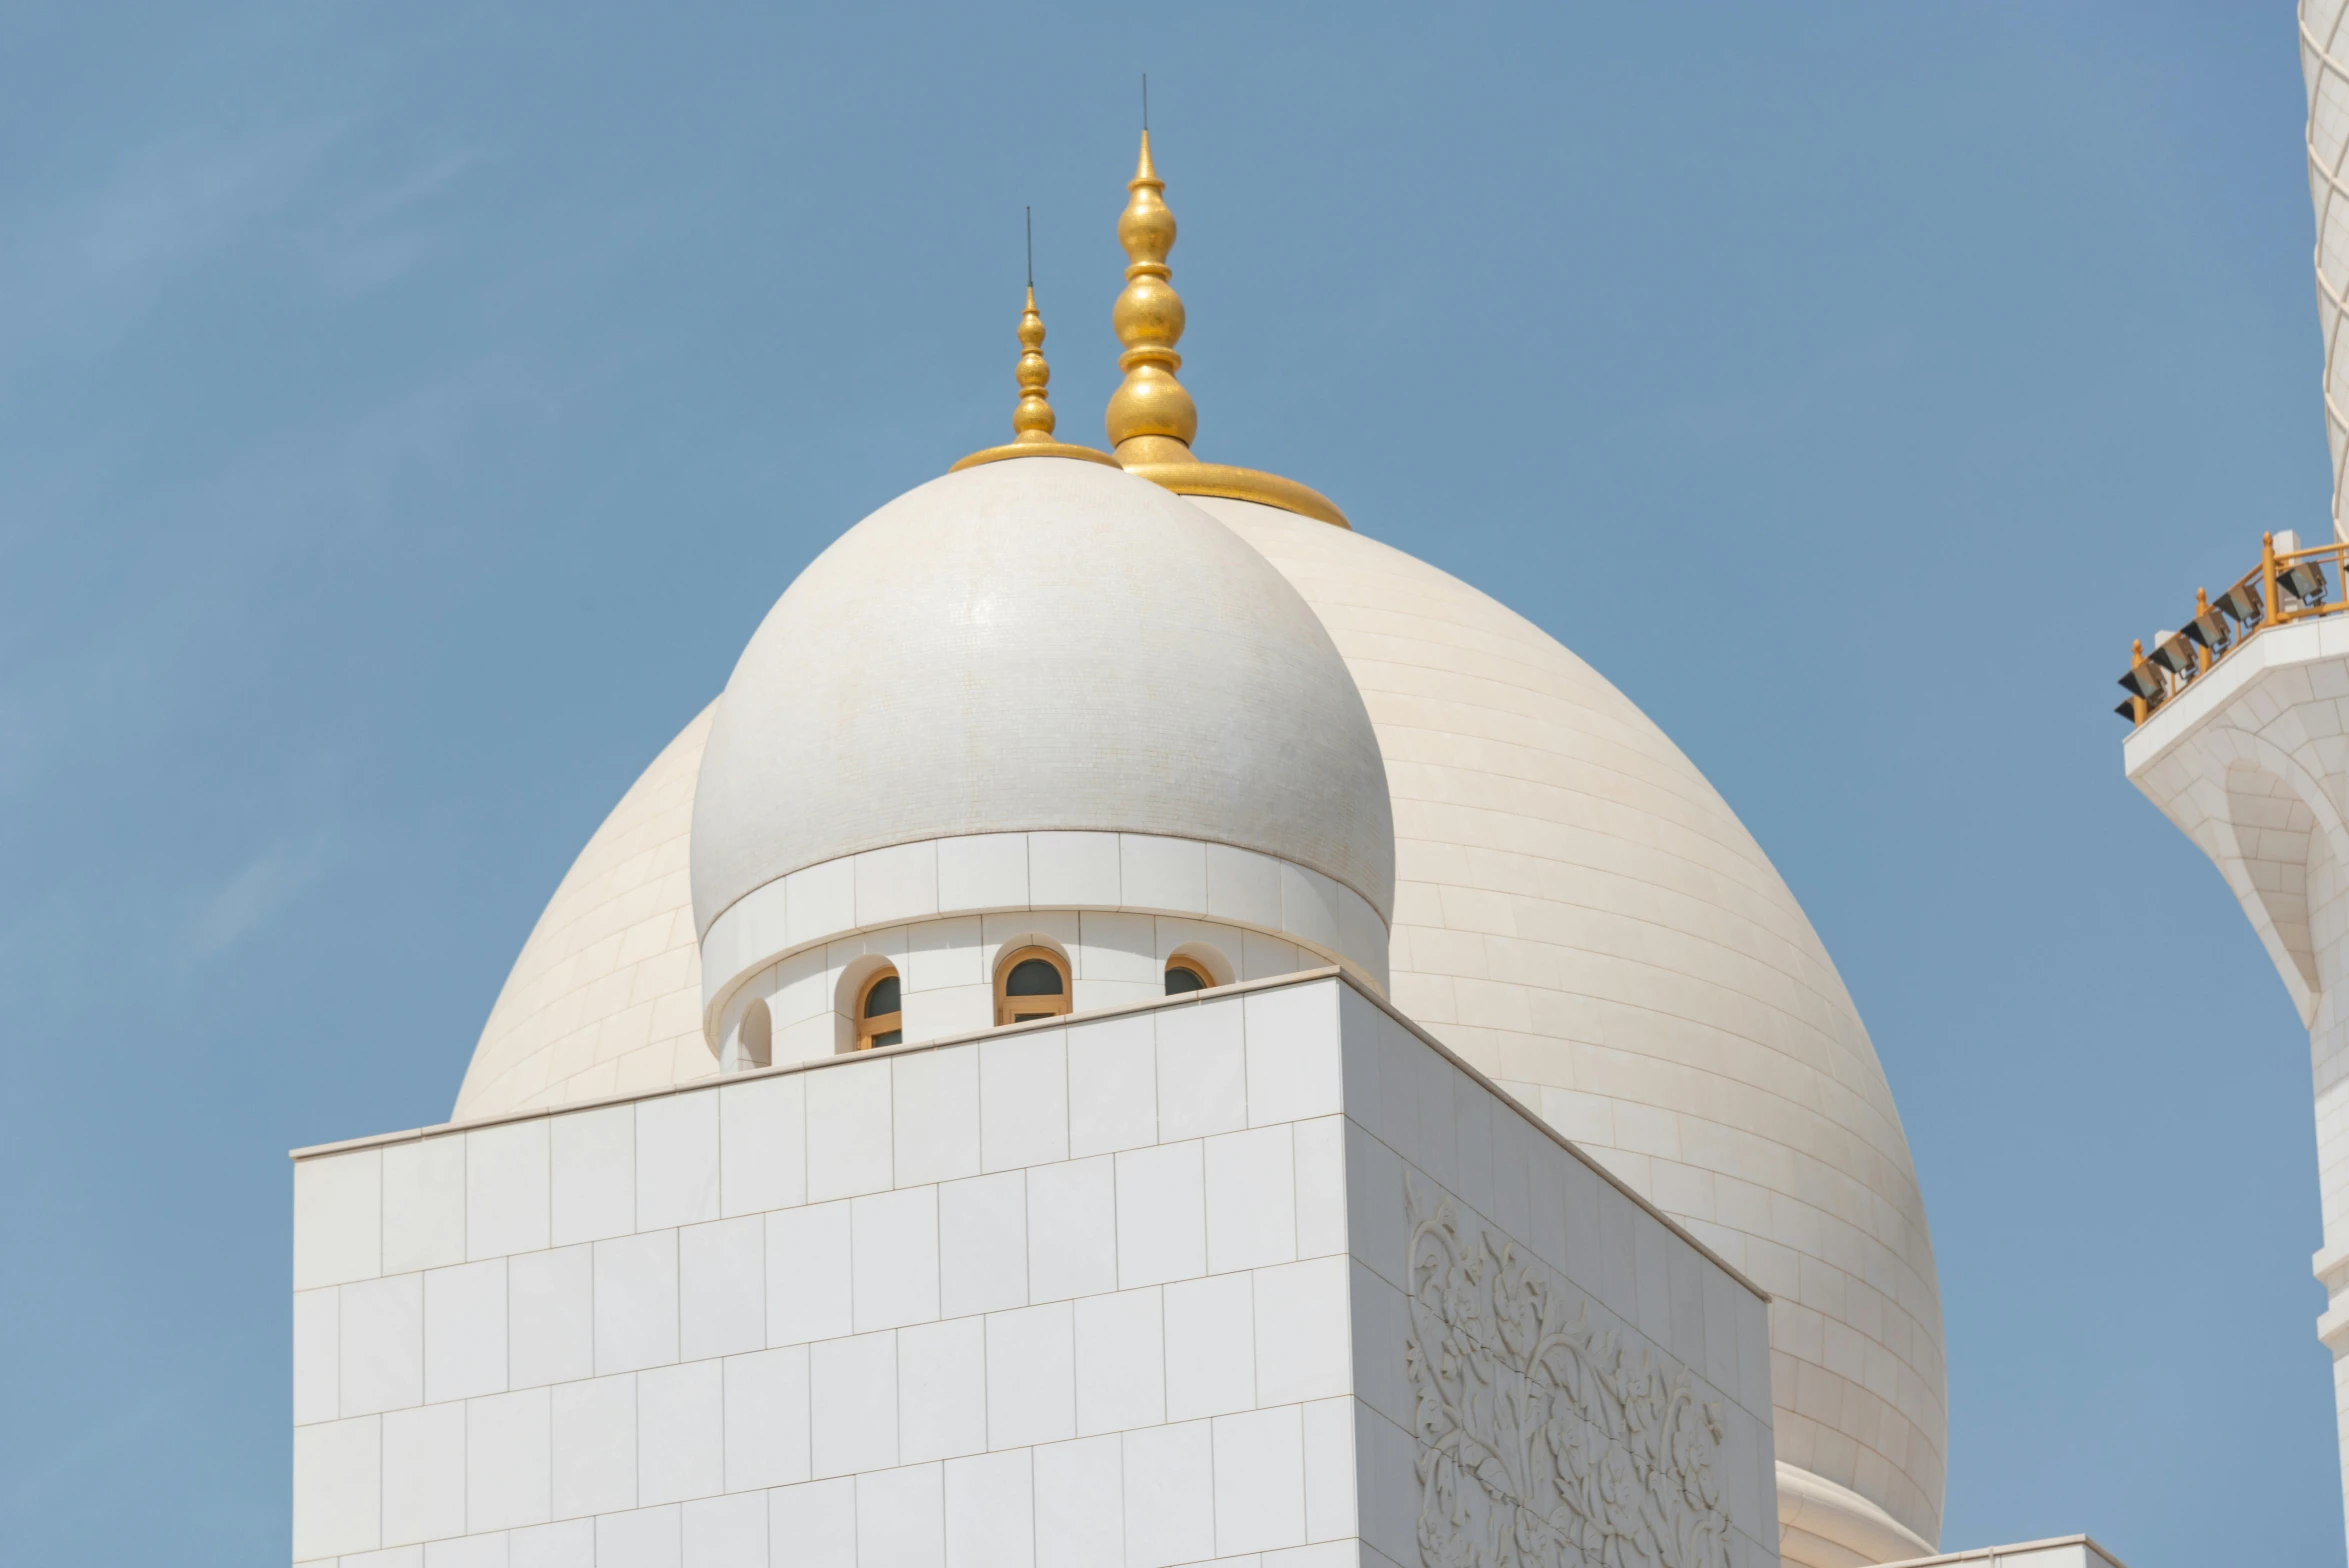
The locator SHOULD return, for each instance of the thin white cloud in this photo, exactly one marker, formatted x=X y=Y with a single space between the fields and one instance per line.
x=78 y=277
x=102 y=686
x=379 y=235
x=256 y=893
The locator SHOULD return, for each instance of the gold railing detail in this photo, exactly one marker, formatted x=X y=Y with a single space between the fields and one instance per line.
x=2286 y=586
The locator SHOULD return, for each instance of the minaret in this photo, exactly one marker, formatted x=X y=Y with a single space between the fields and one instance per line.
x=1151 y=417
x=2238 y=721
x=2243 y=751
x=2324 y=64
x=1033 y=421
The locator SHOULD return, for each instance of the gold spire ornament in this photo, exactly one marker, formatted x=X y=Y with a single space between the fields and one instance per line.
x=1033 y=421
x=1151 y=418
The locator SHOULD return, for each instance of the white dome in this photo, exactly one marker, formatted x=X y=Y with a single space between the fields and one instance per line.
x=606 y=996
x=1577 y=911
x=1033 y=646
x=1581 y=915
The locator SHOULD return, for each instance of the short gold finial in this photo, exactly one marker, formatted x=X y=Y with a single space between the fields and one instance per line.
x=1151 y=417
x=1032 y=421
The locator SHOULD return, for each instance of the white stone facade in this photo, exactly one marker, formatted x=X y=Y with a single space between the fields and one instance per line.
x=1185 y=1282
x=2252 y=763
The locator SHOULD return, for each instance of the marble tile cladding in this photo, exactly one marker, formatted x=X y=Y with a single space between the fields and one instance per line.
x=1133 y=1290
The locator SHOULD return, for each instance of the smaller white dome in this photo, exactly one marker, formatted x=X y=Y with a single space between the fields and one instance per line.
x=1034 y=646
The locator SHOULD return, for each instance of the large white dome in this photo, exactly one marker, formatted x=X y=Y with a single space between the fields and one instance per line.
x=606 y=995
x=1039 y=645
x=1573 y=908
x=1579 y=913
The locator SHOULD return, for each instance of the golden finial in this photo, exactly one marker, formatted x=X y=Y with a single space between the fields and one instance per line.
x=1151 y=418
x=1032 y=421
x=1033 y=418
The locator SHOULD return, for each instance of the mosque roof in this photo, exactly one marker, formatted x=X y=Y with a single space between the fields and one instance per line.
x=1039 y=641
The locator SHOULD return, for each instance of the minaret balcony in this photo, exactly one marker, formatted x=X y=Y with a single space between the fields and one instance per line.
x=2241 y=736
x=2289 y=586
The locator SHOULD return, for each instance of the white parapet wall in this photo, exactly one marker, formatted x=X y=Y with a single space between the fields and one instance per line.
x=2064 y=1551
x=1259 y=1275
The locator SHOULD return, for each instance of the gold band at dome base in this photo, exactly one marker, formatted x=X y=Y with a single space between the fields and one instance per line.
x=996 y=454
x=1240 y=484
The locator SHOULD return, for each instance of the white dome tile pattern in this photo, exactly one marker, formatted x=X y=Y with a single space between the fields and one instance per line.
x=606 y=995
x=1038 y=645
x=1581 y=915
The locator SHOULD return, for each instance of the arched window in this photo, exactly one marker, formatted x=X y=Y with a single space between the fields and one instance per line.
x=1185 y=975
x=880 y=1012
x=1031 y=983
x=758 y=1036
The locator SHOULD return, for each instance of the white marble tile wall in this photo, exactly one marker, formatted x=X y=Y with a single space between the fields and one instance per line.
x=1127 y=1291
x=1056 y=1297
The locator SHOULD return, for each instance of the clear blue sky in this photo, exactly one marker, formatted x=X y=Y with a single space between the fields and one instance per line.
x=406 y=413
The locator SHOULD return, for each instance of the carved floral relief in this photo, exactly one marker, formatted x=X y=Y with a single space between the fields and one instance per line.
x=1542 y=1441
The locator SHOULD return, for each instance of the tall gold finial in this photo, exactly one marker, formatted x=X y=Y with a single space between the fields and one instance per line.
x=1032 y=421
x=1151 y=417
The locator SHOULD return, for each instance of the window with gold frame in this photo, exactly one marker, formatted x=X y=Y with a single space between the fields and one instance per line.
x=1185 y=975
x=1031 y=983
x=880 y=1012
